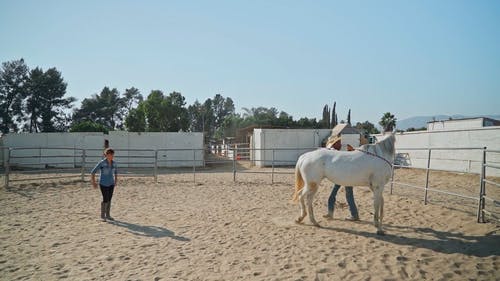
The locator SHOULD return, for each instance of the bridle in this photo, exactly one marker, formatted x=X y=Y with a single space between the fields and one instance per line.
x=375 y=155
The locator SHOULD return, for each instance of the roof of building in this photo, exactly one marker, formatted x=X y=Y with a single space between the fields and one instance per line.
x=495 y=122
x=344 y=129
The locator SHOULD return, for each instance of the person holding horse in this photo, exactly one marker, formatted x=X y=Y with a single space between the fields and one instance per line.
x=373 y=164
x=349 y=193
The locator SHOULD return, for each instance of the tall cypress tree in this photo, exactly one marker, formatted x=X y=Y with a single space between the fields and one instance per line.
x=334 y=116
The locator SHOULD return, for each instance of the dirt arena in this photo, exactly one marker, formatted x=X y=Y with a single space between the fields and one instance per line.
x=217 y=229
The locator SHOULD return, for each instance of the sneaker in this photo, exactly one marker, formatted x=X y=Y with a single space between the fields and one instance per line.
x=351 y=218
x=328 y=216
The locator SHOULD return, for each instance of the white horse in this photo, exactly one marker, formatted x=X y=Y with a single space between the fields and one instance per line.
x=369 y=165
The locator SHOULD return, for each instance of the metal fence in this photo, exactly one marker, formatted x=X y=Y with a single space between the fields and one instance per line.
x=494 y=202
x=27 y=163
x=53 y=163
x=402 y=161
x=55 y=160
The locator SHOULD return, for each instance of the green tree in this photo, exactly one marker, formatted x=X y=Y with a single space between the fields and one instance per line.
x=231 y=124
x=132 y=97
x=136 y=119
x=333 y=123
x=196 y=116
x=265 y=116
x=166 y=113
x=177 y=118
x=325 y=121
x=221 y=107
x=13 y=78
x=104 y=108
x=153 y=107
x=36 y=88
x=88 y=126
x=45 y=103
x=388 y=122
x=208 y=118
x=367 y=128
x=307 y=123
x=285 y=120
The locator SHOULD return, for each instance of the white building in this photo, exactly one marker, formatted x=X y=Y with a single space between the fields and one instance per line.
x=456 y=145
x=460 y=124
x=284 y=146
x=347 y=135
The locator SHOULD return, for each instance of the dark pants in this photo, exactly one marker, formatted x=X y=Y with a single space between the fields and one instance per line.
x=349 y=196
x=107 y=193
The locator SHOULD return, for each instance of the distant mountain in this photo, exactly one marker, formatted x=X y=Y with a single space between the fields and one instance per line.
x=421 y=121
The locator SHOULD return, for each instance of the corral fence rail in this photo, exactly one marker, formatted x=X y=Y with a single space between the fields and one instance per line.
x=447 y=155
x=65 y=162
x=493 y=202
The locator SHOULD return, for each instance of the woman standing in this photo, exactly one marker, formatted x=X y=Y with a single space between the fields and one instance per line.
x=107 y=181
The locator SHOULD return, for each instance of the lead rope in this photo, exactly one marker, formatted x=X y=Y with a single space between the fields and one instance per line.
x=373 y=154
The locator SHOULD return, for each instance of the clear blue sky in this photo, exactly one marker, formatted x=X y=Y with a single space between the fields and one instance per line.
x=410 y=58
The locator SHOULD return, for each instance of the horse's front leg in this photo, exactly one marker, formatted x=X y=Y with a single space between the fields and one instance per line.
x=378 y=202
x=303 y=212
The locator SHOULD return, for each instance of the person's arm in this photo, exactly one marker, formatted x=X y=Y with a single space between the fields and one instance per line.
x=92 y=177
x=94 y=184
x=116 y=176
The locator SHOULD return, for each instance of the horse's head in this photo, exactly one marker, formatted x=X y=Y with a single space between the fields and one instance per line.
x=387 y=144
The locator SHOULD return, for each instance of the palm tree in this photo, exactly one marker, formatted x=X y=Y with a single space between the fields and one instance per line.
x=388 y=122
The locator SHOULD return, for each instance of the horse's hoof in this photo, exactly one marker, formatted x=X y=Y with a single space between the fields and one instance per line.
x=316 y=224
x=299 y=221
x=380 y=232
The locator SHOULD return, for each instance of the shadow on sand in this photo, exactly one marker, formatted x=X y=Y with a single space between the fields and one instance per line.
x=149 y=231
x=439 y=241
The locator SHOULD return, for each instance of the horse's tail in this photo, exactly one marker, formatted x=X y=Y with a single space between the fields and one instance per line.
x=299 y=182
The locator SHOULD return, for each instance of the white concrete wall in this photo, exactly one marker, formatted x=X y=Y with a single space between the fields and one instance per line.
x=463 y=124
x=183 y=157
x=145 y=143
x=39 y=156
x=463 y=160
x=285 y=142
x=352 y=139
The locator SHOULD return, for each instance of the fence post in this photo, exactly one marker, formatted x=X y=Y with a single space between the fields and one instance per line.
x=482 y=189
x=7 y=168
x=234 y=166
x=84 y=160
x=427 y=176
x=156 y=166
x=194 y=166
x=272 y=171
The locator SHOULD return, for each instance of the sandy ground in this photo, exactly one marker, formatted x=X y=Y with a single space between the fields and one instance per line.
x=217 y=229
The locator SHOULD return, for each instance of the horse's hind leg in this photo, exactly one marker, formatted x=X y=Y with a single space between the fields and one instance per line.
x=380 y=231
x=310 y=196
x=303 y=212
